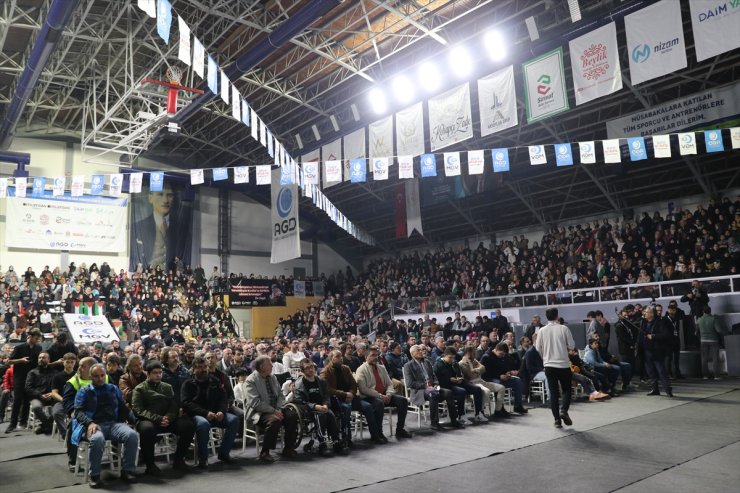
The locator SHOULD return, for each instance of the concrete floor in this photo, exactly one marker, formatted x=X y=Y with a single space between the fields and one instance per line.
x=633 y=443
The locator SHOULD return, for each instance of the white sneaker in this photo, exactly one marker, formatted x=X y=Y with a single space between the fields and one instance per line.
x=480 y=419
x=464 y=420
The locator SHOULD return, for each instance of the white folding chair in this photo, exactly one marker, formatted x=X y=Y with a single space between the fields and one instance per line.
x=111 y=458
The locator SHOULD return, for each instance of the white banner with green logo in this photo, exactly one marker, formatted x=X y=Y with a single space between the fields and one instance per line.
x=544 y=86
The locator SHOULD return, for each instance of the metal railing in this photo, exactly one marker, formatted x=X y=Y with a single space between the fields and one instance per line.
x=624 y=292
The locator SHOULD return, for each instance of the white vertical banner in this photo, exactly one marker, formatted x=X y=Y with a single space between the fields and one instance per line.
x=380 y=137
x=115 y=184
x=183 y=48
x=332 y=152
x=735 y=137
x=545 y=94
x=332 y=172
x=452 y=163
x=285 y=229
x=199 y=56
x=3 y=188
x=612 y=154
x=410 y=131
x=450 y=119
x=263 y=174
x=134 y=182
x=413 y=208
x=236 y=103
x=21 y=183
x=687 y=143
x=588 y=152
x=311 y=172
x=254 y=127
x=149 y=7
x=655 y=43
x=58 y=186
x=476 y=162
x=354 y=148
x=497 y=101
x=263 y=133
x=662 y=146
x=716 y=27
x=594 y=60
x=196 y=177
x=78 y=186
x=537 y=155
x=241 y=174
x=405 y=167
x=380 y=168
x=225 y=87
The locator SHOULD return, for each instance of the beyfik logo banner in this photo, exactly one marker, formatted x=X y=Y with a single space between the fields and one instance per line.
x=286 y=244
x=450 y=118
x=545 y=93
x=497 y=101
x=594 y=59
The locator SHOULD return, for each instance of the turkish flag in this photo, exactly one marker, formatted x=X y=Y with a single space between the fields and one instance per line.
x=400 y=211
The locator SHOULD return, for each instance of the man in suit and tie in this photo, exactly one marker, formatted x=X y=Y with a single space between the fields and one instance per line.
x=420 y=379
x=155 y=235
x=266 y=408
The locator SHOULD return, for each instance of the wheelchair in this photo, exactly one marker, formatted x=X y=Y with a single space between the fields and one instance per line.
x=309 y=427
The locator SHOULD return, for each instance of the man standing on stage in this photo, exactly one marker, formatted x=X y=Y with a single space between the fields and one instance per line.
x=553 y=342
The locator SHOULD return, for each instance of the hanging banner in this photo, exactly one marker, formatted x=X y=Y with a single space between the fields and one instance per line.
x=134 y=182
x=662 y=146
x=57 y=189
x=713 y=141
x=254 y=127
x=735 y=137
x=563 y=155
x=3 y=188
x=410 y=131
x=164 y=20
x=241 y=174
x=537 y=155
x=500 y=159
x=716 y=27
x=612 y=154
x=39 y=185
x=263 y=133
x=199 y=54
x=497 y=101
x=148 y=6
x=332 y=152
x=197 y=177
x=263 y=174
x=220 y=174
x=286 y=243
x=89 y=329
x=545 y=94
x=156 y=181
x=299 y=289
x=97 y=184
x=90 y=224
x=700 y=110
x=286 y=175
x=380 y=168
x=332 y=172
x=476 y=162
x=311 y=173
x=636 y=145
x=450 y=120
x=358 y=170
x=244 y=291
x=405 y=167
x=21 y=183
x=452 y=163
x=655 y=44
x=687 y=143
x=594 y=60
x=236 y=103
x=380 y=137
x=588 y=152
x=428 y=165
x=225 y=87
x=245 y=112
x=212 y=75
x=183 y=48
x=354 y=148
x=115 y=185
x=413 y=208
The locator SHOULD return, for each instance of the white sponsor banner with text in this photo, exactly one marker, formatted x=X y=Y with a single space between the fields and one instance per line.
x=410 y=131
x=594 y=60
x=497 y=101
x=450 y=120
x=716 y=26
x=285 y=229
x=544 y=86
x=90 y=328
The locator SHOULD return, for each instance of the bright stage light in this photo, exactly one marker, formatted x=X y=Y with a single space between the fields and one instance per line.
x=429 y=77
x=460 y=62
x=377 y=101
x=403 y=89
x=494 y=43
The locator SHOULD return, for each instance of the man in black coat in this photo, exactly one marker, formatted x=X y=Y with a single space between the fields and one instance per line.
x=25 y=358
x=655 y=341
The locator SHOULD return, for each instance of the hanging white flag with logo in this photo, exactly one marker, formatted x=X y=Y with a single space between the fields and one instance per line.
x=450 y=120
x=380 y=168
x=380 y=137
x=3 y=188
x=410 y=131
x=537 y=155
x=78 y=186
x=405 y=167
x=476 y=162
x=199 y=55
x=716 y=27
x=264 y=174
x=452 y=163
x=148 y=6
x=241 y=174
x=255 y=125
x=735 y=137
x=263 y=133
x=332 y=152
x=413 y=208
x=311 y=173
x=655 y=44
x=588 y=152
x=612 y=153
x=497 y=101
x=687 y=143
x=545 y=94
x=183 y=49
x=225 y=87
x=354 y=148
x=115 y=185
x=332 y=171
x=134 y=182
x=236 y=103
x=594 y=60
x=21 y=183
x=284 y=228
x=58 y=187
x=196 y=177
x=662 y=146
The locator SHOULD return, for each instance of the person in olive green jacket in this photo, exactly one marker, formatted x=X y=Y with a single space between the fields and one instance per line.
x=154 y=404
x=709 y=331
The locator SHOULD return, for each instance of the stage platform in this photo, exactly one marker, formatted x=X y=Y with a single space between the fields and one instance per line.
x=632 y=443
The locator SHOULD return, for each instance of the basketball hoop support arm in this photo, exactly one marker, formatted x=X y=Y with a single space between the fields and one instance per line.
x=172 y=91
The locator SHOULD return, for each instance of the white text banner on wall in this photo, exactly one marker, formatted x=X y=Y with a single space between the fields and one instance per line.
x=285 y=229
x=88 y=224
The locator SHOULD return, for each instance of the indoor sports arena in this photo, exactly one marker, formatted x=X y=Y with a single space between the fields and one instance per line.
x=369 y=245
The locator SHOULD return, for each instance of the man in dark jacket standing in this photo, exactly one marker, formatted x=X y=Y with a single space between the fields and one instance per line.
x=655 y=340
x=204 y=400
x=25 y=357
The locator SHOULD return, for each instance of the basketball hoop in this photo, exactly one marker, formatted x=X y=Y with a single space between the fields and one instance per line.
x=173 y=76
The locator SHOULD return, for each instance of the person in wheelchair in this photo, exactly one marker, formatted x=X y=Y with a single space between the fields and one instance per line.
x=312 y=394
